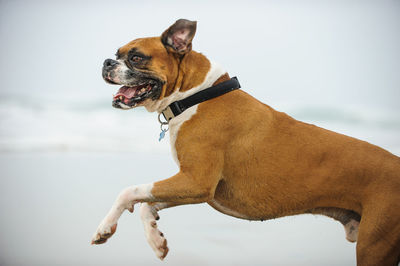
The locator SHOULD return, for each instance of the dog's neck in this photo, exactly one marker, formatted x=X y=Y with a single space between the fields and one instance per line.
x=190 y=81
x=224 y=77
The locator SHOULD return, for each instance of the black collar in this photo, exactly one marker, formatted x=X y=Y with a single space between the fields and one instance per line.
x=178 y=107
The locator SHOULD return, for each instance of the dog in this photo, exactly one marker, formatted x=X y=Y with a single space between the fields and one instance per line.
x=246 y=159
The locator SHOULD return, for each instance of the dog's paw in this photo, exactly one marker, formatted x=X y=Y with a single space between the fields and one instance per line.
x=156 y=240
x=103 y=232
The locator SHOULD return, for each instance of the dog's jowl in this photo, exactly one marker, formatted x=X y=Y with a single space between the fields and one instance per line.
x=244 y=158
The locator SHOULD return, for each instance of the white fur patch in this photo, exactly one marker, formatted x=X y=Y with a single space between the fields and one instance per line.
x=175 y=123
x=154 y=236
x=125 y=201
x=121 y=72
x=134 y=194
x=174 y=126
x=124 y=106
x=213 y=74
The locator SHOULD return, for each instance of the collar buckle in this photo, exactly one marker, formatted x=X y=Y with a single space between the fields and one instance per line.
x=167 y=113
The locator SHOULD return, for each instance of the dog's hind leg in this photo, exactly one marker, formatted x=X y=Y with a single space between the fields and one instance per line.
x=351 y=229
x=379 y=236
x=349 y=219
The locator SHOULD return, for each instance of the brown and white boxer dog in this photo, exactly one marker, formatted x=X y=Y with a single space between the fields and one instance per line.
x=247 y=160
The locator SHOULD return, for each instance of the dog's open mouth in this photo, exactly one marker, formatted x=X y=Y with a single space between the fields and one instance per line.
x=128 y=97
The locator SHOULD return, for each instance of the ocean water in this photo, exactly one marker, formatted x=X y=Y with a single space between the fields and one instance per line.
x=62 y=164
x=92 y=125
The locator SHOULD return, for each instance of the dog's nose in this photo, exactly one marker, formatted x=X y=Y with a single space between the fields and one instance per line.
x=109 y=63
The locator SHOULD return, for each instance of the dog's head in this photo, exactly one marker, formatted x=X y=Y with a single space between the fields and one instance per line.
x=147 y=68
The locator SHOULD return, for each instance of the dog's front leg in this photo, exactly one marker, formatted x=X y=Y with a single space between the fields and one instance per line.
x=179 y=189
x=155 y=238
x=125 y=201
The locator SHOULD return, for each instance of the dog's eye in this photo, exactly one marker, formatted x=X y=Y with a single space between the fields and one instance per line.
x=136 y=58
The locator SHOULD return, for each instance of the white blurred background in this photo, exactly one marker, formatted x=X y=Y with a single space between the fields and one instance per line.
x=65 y=153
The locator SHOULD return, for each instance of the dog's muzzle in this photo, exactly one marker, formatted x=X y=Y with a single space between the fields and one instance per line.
x=137 y=85
x=109 y=66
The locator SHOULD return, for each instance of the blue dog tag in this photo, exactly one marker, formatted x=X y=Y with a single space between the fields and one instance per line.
x=163 y=126
x=162 y=135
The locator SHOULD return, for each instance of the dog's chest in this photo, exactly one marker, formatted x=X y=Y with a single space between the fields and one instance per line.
x=175 y=124
x=174 y=127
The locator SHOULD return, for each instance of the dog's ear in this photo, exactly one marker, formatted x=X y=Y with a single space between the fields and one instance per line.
x=178 y=38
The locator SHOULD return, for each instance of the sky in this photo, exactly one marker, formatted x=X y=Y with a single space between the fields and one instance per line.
x=317 y=52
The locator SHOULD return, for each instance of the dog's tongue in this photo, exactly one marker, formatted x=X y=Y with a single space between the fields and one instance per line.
x=127 y=92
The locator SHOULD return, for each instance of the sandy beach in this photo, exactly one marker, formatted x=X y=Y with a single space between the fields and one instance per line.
x=51 y=203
